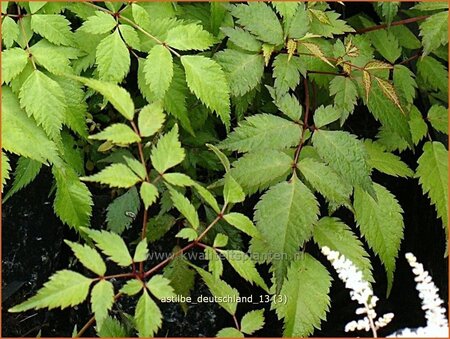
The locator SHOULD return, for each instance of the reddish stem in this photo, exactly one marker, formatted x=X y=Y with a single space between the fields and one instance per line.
x=395 y=23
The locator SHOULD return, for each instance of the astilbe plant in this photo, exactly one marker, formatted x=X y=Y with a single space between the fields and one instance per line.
x=183 y=111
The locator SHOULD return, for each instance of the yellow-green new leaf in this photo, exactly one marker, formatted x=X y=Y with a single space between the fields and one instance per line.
x=232 y=191
x=49 y=113
x=116 y=175
x=434 y=31
x=178 y=179
x=132 y=287
x=220 y=289
x=102 y=300
x=99 y=23
x=21 y=135
x=112 y=58
x=10 y=31
x=207 y=197
x=89 y=257
x=150 y=120
x=188 y=37
x=302 y=311
x=54 y=27
x=229 y=332
x=149 y=194
x=118 y=134
x=141 y=252
x=433 y=176
x=184 y=206
x=14 y=61
x=381 y=224
x=65 y=288
x=208 y=82
x=242 y=223
x=160 y=287
x=252 y=321
x=116 y=95
x=111 y=245
x=147 y=316
x=168 y=152
x=187 y=233
x=158 y=69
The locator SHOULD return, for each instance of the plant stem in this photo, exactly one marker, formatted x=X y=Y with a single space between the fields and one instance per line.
x=25 y=37
x=395 y=23
x=305 y=126
x=236 y=323
x=415 y=56
x=328 y=73
x=122 y=275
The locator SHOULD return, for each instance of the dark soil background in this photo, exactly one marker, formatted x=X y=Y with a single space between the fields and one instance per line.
x=33 y=249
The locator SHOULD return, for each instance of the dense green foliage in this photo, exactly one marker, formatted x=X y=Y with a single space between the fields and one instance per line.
x=185 y=110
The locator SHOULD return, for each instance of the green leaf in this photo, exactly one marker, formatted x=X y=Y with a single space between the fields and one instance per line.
x=89 y=257
x=73 y=200
x=21 y=135
x=405 y=83
x=112 y=58
x=289 y=105
x=10 y=31
x=405 y=37
x=184 y=206
x=221 y=156
x=263 y=131
x=328 y=24
x=36 y=5
x=438 y=117
x=430 y=6
x=252 y=321
x=386 y=162
x=381 y=224
x=326 y=181
x=118 y=134
x=132 y=287
x=188 y=37
x=258 y=170
x=304 y=311
x=232 y=191
x=417 y=124
x=178 y=179
x=336 y=235
x=130 y=36
x=116 y=175
x=148 y=317
x=65 y=288
x=229 y=332
x=433 y=177
x=182 y=277
x=244 y=266
x=221 y=240
x=99 y=23
x=299 y=25
x=151 y=119
x=242 y=39
x=187 y=233
x=111 y=245
x=122 y=211
x=111 y=328
x=243 y=71
x=158 y=69
x=294 y=209
x=242 y=223
x=207 y=197
x=6 y=169
x=49 y=113
x=434 y=31
x=102 y=300
x=286 y=73
x=53 y=27
x=221 y=290
x=345 y=95
x=149 y=194
x=160 y=287
x=14 y=61
x=116 y=95
x=325 y=115
x=215 y=265
x=259 y=19
x=207 y=81
x=51 y=57
x=141 y=252
x=434 y=73
x=168 y=152
x=346 y=155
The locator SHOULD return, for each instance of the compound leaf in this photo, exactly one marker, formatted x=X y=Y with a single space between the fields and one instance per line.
x=158 y=69
x=102 y=300
x=118 y=134
x=54 y=27
x=168 y=152
x=112 y=58
x=147 y=316
x=115 y=175
x=89 y=257
x=189 y=37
